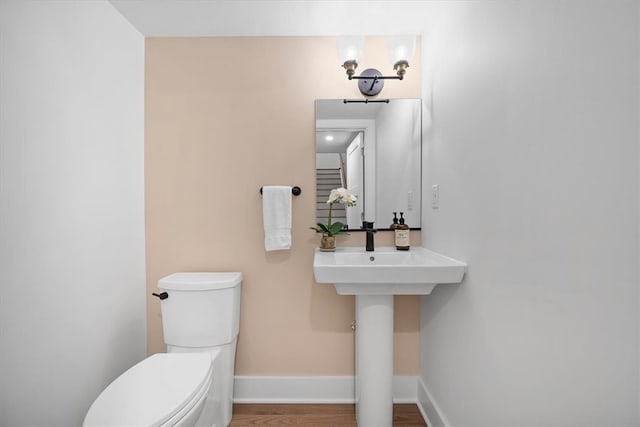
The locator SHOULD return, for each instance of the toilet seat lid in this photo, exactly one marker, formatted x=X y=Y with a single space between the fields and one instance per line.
x=153 y=391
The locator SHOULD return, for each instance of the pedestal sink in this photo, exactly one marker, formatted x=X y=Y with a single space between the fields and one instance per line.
x=374 y=278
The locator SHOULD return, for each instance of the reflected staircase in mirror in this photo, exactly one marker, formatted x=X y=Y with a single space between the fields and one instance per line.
x=327 y=180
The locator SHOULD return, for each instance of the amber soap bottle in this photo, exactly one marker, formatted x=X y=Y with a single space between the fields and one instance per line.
x=402 y=235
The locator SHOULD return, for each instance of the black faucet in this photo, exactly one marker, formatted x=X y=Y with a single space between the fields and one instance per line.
x=368 y=228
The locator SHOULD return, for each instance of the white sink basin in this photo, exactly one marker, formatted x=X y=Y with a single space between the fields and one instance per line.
x=385 y=271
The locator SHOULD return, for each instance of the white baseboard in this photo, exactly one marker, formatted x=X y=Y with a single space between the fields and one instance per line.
x=429 y=409
x=321 y=389
x=317 y=389
x=405 y=389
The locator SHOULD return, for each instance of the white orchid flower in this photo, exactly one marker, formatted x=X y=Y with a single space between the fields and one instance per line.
x=333 y=197
x=342 y=195
x=338 y=195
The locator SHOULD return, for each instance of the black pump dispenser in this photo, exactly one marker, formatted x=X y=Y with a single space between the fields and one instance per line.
x=395 y=221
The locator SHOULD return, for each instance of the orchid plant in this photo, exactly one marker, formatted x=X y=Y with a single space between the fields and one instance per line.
x=338 y=195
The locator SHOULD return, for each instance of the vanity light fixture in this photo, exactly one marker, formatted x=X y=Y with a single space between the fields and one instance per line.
x=371 y=81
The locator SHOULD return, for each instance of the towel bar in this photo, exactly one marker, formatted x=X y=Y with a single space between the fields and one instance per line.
x=296 y=191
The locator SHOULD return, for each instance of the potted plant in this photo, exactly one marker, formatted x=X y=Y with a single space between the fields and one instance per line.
x=332 y=229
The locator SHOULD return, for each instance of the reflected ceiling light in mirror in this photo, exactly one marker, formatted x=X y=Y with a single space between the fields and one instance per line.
x=328 y=138
x=370 y=81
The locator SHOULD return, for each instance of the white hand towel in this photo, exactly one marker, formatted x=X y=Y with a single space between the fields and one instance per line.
x=276 y=212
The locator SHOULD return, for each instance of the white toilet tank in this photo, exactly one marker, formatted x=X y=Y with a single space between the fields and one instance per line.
x=202 y=309
x=201 y=313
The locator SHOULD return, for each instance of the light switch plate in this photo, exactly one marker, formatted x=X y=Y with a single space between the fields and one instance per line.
x=435 y=196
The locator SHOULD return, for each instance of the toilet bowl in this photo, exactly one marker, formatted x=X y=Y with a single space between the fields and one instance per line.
x=191 y=384
x=164 y=390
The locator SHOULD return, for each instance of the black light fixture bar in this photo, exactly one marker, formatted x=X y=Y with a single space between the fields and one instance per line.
x=377 y=77
x=364 y=101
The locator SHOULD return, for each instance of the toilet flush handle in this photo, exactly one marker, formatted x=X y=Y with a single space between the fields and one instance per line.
x=162 y=295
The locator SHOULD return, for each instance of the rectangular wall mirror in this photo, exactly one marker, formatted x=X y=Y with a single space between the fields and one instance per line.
x=374 y=149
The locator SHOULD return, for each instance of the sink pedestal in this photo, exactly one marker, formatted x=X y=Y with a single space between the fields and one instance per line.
x=374 y=278
x=374 y=360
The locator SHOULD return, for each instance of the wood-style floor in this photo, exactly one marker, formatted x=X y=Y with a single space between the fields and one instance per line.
x=315 y=415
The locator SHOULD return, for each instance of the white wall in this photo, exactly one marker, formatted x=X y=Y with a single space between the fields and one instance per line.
x=327 y=161
x=533 y=138
x=72 y=284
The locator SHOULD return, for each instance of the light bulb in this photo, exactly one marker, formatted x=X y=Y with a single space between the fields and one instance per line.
x=350 y=48
x=402 y=49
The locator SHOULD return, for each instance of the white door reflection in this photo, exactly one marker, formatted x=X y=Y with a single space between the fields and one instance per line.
x=355 y=180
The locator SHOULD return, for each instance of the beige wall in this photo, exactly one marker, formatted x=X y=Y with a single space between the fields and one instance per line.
x=223 y=117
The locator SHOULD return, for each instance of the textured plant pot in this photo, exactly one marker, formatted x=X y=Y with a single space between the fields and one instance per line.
x=327 y=243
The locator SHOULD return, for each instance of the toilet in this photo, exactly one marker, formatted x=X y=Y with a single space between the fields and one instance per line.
x=191 y=384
